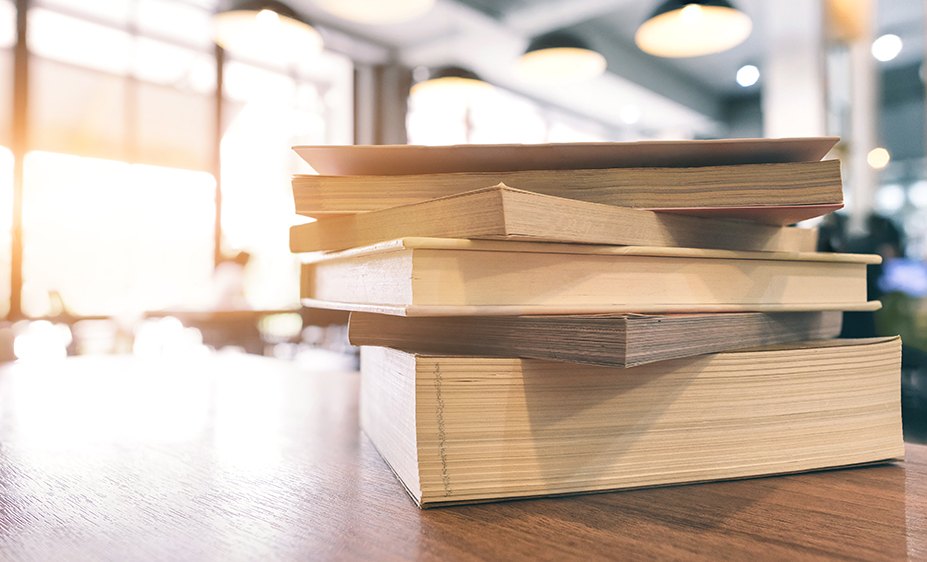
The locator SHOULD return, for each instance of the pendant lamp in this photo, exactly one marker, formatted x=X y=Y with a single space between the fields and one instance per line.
x=450 y=82
x=265 y=29
x=680 y=28
x=559 y=57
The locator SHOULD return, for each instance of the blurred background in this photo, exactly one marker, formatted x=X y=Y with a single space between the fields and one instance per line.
x=145 y=157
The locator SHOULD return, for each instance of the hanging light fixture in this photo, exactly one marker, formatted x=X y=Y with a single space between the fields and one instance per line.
x=450 y=82
x=376 y=12
x=683 y=28
x=559 y=57
x=265 y=29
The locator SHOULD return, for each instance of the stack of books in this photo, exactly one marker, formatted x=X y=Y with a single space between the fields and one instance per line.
x=562 y=319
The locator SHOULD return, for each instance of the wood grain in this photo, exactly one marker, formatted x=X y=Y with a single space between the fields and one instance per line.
x=236 y=457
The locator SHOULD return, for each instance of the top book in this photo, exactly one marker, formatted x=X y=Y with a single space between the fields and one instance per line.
x=410 y=159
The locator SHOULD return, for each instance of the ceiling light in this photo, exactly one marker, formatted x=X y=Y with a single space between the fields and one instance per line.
x=559 y=57
x=886 y=48
x=748 y=75
x=878 y=158
x=450 y=82
x=376 y=11
x=267 y=30
x=679 y=28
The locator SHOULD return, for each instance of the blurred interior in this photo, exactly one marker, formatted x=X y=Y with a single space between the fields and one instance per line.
x=145 y=171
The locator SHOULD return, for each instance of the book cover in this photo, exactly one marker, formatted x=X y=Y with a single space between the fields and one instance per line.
x=434 y=277
x=380 y=160
x=502 y=212
x=780 y=193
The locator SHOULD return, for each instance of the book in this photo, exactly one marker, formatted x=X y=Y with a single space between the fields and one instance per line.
x=381 y=160
x=456 y=277
x=505 y=213
x=779 y=193
x=463 y=429
x=610 y=340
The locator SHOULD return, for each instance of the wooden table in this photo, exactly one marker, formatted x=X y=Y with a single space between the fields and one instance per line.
x=237 y=457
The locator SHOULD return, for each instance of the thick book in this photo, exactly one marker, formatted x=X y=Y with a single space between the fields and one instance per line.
x=457 y=277
x=610 y=340
x=463 y=429
x=779 y=193
x=505 y=213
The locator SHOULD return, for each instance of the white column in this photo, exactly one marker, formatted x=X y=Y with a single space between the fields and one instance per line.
x=860 y=181
x=365 y=104
x=793 y=70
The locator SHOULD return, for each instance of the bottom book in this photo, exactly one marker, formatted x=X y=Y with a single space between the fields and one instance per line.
x=461 y=429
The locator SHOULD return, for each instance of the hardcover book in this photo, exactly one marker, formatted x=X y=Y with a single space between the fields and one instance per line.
x=450 y=277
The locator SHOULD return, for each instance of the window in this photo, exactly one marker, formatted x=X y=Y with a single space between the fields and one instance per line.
x=102 y=92
x=108 y=238
x=6 y=224
x=7 y=24
x=7 y=41
x=119 y=193
x=272 y=111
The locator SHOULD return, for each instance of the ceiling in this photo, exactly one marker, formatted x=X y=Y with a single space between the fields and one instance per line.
x=677 y=97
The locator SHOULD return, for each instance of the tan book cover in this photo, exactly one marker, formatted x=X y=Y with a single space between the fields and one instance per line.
x=505 y=213
x=442 y=277
x=397 y=159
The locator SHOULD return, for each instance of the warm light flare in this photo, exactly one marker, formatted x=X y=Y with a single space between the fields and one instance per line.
x=693 y=31
x=878 y=158
x=265 y=35
x=561 y=64
x=449 y=89
x=108 y=237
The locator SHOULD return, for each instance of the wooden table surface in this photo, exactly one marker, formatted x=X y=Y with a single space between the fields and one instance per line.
x=236 y=457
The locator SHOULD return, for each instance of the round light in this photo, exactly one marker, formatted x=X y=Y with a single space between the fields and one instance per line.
x=265 y=35
x=693 y=30
x=878 y=158
x=559 y=64
x=376 y=11
x=917 y=194
x=748 y=75
x=887 y=47
x=890 y=198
